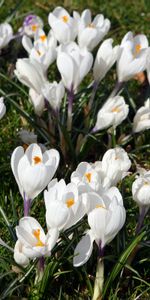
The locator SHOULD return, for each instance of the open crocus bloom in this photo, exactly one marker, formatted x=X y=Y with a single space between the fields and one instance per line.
x=133 y=57
x=30 y=73
x=32 y=169
x=86 y=178
x=6 y=34
x=31 y=24
x=54 y=93
x=141 y=190
x=114 y=167
x=105 y=58
x=90 y=33
x=32 y=241
x=63 y=25
x=105 y=219
x=73 y=64
x=2 y=107
x=64 y=207
x=141 y=120
x=112 y=113
x=43 y=49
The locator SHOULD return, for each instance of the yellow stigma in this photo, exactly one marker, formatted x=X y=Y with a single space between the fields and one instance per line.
x=65 y=19
x=37 y=160
x=70 y=202
x=43 y=37
x=34 y=27
x=36 y=233
x=88 y=176
x=100 y=206
x=116 y=109
x=137 y=49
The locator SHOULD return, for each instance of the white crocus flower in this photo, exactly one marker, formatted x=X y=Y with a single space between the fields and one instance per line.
x=90 y=33
x=32 y=241
x=2 y=107
x=43 y=49
x=141 y=120
x=64 y=208
x=114 y=166
x=37 y=101
x=86 y=178
x=113 y=112
x=32 y=169
x=53 y=93
x=73 y=64
x=133 y=57
x=31 y=24
x=105 y=221
x=63 y=25
x=141 y=190
x=6 y=34
x=30 y=74
x=105 y=58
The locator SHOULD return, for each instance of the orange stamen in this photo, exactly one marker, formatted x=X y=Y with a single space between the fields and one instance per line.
x=100 y=206
x=37 y=160
x=36 y=233
x=116 y=109
x=70 y=202
x=137 y=49
x=65 y=19
x=88 y=176
x=43 y=37
x=34 y=27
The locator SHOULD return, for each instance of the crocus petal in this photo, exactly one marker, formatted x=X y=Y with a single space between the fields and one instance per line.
x=83 y=250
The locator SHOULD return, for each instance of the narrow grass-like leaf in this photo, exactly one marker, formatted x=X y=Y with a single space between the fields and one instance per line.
x=121 y=262
x=9 y=226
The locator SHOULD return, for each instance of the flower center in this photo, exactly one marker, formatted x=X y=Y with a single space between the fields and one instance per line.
x=65 y=19
x=37 y=160
x=36 y=233
x=100 y=206
x=116 y=109
x=137 y=49
x=34 y=27
x=43 y=37
x=69 y=202
x=88 y=176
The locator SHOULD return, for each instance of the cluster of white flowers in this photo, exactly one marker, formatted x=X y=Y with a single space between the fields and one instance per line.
x=92 y=190
x=70 y=43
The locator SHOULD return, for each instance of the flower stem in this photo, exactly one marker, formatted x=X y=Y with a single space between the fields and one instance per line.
x=27 y=205
x=70 y=105
x=142 y=214
x=99 y=280
x=118 y=87
x=40 y=270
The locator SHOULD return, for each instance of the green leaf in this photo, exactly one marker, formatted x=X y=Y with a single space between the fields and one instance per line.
x=121 y=262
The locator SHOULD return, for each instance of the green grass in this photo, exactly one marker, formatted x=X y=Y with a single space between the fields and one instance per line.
x=61 y=280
